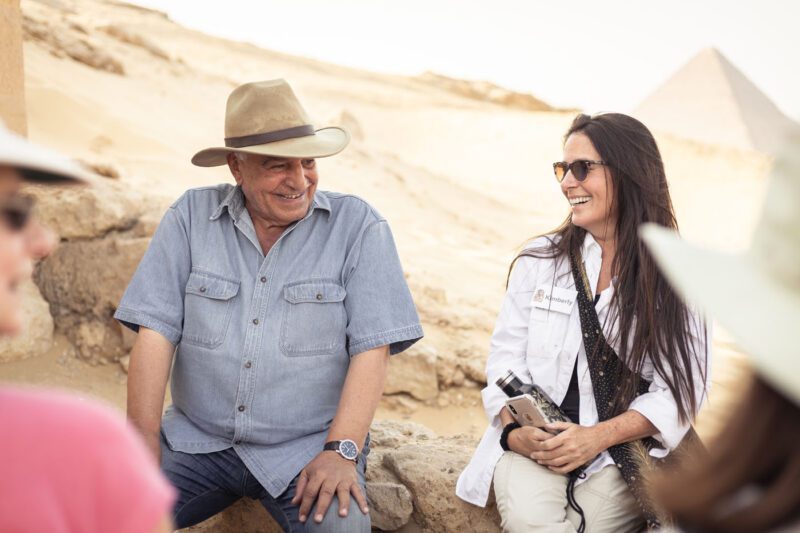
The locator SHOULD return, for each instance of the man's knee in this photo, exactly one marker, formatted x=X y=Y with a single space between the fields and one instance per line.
x=354 y=522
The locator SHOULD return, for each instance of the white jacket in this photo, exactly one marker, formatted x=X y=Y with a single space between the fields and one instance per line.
x=540 y=344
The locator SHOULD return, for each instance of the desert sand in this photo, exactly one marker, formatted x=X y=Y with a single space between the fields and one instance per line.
x=464 y=178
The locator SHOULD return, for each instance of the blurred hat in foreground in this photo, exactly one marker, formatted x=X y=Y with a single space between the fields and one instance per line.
x=754 y=295
x=36 y=163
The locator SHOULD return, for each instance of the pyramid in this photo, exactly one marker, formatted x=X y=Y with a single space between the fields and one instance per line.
x=712 y=101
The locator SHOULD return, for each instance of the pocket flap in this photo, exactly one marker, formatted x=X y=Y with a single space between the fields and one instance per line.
x=315 y=291
x=211 y=286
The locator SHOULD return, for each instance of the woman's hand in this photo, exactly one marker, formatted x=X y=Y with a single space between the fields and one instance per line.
x=573 y=446
x=527 y=440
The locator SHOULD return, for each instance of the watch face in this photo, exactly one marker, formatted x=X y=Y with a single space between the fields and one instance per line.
x=348 y=449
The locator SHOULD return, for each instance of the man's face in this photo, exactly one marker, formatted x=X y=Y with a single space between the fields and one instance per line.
x=277 y=191
x=20 y=244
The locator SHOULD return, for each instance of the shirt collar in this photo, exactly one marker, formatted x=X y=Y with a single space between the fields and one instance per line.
x=591 y=249
x=234 y=203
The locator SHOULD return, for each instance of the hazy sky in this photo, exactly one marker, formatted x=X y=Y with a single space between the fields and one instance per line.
x=597 y=55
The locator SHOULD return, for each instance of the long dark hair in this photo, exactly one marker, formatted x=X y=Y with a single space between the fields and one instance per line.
x=750 y=479
x=651 y=319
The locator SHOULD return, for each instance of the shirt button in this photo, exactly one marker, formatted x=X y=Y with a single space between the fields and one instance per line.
x=237 y=442
x=263 y=279
x=202 y=289
x=319 y=297
x=241 y=408
x=255 y=321
x=248 y=364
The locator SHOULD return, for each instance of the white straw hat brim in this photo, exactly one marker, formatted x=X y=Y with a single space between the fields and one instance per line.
x=324 y=143
x=37 y=163
x=734 y=289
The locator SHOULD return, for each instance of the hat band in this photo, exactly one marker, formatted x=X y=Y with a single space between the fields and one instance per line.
x=269 y=137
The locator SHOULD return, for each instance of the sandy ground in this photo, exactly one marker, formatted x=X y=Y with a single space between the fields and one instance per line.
x=463 y=183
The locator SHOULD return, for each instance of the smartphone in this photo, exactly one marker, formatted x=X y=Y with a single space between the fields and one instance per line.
x=528 y=410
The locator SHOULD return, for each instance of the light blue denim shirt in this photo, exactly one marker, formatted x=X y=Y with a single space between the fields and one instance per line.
x=264 y=342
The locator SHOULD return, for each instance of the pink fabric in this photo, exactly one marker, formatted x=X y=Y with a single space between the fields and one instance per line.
x=71 y=465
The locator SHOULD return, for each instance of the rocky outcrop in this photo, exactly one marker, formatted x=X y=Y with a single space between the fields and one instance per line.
x=429 y=470
x=104 y=232
x=127 y=36
x=36 y=337
x=414 y=372
x=411 y=479
x=486 y=91
x=69 y=42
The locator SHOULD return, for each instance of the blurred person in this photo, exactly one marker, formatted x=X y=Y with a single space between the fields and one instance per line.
x=589 y=319
x=66 y=464
x=276 y=306
x=751 y=481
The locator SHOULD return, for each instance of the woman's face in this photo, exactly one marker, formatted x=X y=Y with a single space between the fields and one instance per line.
x=18 y=249
x=592 y=198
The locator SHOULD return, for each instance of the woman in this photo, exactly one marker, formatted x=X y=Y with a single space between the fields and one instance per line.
x=66 y=464
x=618 y=351
x=751 y=479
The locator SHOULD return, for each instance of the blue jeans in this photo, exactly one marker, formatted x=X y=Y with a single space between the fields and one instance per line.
x=207 y=483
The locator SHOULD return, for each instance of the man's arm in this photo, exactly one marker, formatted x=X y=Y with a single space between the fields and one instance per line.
x=329 y=473
x=148 y=373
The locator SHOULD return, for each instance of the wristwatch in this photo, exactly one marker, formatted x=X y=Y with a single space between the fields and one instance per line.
x=346 y=448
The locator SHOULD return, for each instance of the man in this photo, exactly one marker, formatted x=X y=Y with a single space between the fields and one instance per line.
x=282 y=304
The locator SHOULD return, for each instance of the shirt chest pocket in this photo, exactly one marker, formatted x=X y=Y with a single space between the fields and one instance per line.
x=207 y=309
x=547 y=332
x=314 y=318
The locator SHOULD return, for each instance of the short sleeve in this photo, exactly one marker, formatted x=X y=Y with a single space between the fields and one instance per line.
x=380 y=310
x=154 y=297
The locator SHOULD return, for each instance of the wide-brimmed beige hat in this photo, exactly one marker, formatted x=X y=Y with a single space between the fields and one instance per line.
x=36 y=163
x=755 y=295
x=266 y=118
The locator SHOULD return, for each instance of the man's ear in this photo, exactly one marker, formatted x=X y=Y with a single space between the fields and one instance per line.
x=233 y=165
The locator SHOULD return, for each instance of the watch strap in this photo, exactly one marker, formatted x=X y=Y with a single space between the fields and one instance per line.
x=333 y=446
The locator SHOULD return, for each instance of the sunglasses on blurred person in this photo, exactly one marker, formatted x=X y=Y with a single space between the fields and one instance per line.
x=16 y=211
x=580 y=168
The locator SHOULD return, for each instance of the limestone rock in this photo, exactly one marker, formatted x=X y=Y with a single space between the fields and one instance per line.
x=89 y=277
x=429 y=470
x=414 y=372
x=73 y=44
x=391 y=434
x=127 y=36
x=37 y=334
x=390 y=505
x=85 y=212
x=84 y=281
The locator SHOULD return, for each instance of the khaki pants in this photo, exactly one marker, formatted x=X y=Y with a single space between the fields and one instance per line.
x=532 y=498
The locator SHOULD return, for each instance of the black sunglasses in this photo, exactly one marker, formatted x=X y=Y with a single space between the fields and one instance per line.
x=16 y=211
x=579 y=168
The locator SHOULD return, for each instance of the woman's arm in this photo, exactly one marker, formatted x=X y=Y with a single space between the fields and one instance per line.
x=576 y=444
x=509 y=344
x=653 y=414
x=659 y=406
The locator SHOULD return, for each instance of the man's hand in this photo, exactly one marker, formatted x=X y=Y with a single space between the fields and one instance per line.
x=572 y=447
x=328 y=474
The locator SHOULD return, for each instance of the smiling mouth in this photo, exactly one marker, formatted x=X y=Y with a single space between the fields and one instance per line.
x=292 y=196
x=578 y=200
